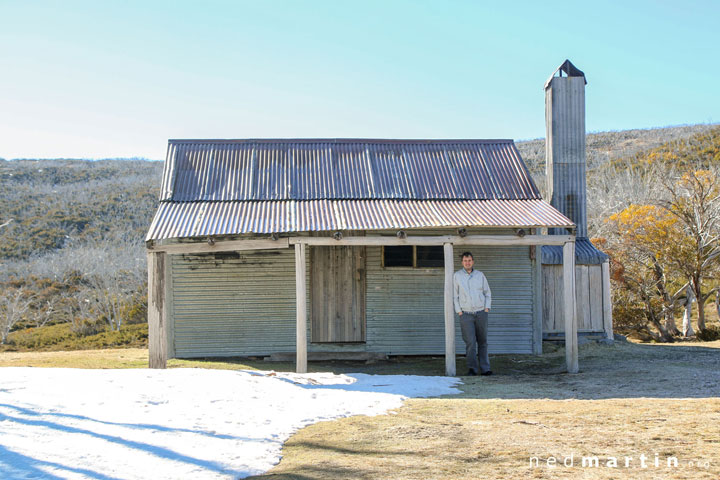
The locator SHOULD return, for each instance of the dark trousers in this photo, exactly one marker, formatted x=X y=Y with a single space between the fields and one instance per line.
x=474 y=332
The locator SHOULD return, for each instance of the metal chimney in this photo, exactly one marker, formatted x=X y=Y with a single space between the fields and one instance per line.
x=565 y=145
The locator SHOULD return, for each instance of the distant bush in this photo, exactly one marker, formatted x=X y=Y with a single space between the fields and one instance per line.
x=60 y=337
x=83 y=327
x=136 y=312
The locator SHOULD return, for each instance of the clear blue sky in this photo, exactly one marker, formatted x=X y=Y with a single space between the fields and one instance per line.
x=105 y=78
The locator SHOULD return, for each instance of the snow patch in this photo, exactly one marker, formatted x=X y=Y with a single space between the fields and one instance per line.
x=177 y=423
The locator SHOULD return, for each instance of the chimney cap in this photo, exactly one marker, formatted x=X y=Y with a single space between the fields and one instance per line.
x=569 y=69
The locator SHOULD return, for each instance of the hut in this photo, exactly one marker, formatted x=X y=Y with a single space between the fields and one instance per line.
x=345 y=247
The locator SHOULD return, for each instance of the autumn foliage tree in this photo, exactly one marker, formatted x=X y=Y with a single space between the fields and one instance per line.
x=665 y=248
x=645 y=241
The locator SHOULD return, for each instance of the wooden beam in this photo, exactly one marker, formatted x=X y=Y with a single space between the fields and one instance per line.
x=449 y=312
x=301 y=310
x=499 y=240
x=220 y=246
x=607 y=301
x=570 y=308
x=157 y=334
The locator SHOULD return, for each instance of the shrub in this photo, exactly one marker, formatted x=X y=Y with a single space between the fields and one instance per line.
x=135 y=312
x=709 y=334
x=82 y=327
x=60 y=337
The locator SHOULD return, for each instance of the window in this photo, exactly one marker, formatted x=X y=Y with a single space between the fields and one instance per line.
x=430 y=256
x=413 y=256
x=401 y=256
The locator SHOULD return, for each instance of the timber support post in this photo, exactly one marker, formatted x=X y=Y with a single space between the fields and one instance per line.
x=449 y=312
x=301 y=308
x=570 y=308
x=157 y=310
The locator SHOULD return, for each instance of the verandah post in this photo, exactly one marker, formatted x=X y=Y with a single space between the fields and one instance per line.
x=570 y=308
x=449 y=312
x=301 y=308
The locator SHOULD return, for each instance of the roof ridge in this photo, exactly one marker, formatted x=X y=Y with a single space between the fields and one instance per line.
x=339 y=140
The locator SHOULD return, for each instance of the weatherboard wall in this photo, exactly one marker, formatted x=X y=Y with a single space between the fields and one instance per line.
x=243 y=303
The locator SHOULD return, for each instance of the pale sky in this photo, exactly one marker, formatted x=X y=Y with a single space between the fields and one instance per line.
x=98 y=79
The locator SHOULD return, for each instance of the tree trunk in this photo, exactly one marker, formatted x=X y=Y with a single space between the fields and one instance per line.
x=687 y=325
x=717 y=303
x=669 y=303
x=696 y=286
x=701 y=315
x=670 y=325
x=664 y=335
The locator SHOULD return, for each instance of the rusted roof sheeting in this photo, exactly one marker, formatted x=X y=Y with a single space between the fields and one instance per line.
x=233 y=170
x=200 y=219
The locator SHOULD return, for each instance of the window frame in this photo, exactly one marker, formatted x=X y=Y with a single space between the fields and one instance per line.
x=414 y=257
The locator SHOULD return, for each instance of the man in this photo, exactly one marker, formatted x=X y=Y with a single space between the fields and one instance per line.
x=472 y=304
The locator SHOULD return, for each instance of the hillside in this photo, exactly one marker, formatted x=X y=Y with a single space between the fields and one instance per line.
x=50 y=204
x=71 y=231
x=602 y=147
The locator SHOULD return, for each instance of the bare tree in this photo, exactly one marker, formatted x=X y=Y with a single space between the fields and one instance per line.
x=614 y=187
x=45 y=311
x=80 y=311
x=695 y=202
x=114 y=270
x=13 y=305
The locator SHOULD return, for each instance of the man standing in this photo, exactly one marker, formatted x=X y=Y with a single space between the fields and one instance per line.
x=472 y=303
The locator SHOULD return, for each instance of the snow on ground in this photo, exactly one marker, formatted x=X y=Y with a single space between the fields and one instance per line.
x=178 y=423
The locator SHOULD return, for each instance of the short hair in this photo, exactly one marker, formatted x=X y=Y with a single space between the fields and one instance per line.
x=466 y=254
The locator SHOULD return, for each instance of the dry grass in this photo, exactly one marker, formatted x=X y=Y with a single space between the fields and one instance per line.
x=112 y=358
x=464 y=438
x=629 y=399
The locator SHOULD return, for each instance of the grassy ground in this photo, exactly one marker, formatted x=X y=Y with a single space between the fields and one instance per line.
x=628 y=400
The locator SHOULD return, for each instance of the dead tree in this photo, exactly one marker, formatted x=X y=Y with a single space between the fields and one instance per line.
x=14 y=304
x=695 y=202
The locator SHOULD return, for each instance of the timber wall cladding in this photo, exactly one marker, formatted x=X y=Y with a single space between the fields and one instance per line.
x=337 y=294
x=244 y=304
x=405 y=305
x=234 y=304
x=588 y=292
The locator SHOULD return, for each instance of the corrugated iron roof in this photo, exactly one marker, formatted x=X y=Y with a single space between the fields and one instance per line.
x=585 y=253
x=201 y=219
x=317 y=169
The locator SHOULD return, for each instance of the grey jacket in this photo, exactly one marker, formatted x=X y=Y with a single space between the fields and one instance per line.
x=471 y=292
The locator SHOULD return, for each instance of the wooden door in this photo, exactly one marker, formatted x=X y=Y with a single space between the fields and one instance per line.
x=337 y=276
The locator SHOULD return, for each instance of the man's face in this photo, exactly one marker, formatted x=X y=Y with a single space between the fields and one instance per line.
x=468 y=263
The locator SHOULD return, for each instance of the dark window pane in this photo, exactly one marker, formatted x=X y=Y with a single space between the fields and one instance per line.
x=398 y=256
x=430 y=256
